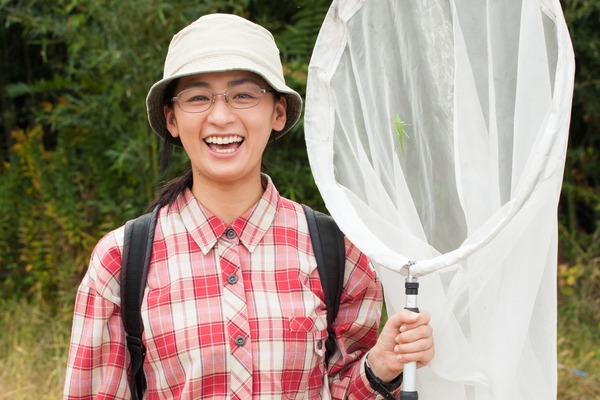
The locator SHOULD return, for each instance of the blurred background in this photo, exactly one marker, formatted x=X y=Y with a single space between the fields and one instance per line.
x=78 y=159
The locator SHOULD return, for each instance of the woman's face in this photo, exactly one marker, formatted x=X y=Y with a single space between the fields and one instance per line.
x=225 y=144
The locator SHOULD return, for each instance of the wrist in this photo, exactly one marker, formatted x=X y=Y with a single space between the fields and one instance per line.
x=377 y=364
x=385 y=389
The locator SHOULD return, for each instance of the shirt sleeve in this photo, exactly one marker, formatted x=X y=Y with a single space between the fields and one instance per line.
x=356 y=328
x=97 y=361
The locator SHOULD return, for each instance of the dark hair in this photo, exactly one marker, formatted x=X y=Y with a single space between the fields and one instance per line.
x=171 y=189
x=168 y=192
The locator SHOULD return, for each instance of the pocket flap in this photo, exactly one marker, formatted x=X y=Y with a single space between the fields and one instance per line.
x=301 y=324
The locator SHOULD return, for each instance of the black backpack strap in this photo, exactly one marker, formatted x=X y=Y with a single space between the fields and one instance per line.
x=330 y=252
x=137 y=250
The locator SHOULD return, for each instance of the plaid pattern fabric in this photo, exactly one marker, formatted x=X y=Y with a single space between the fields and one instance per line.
x=230 y=312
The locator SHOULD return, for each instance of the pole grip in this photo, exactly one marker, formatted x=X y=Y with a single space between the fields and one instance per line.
x=409 y=383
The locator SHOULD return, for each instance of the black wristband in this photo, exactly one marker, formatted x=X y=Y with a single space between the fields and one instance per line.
x=384 y=389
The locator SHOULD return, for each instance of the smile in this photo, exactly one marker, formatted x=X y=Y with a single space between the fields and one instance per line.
x=224 y=144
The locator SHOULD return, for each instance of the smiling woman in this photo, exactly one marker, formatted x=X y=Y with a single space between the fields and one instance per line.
x=226 y=138
x=233 y=306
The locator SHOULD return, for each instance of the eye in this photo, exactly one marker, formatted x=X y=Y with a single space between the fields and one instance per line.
x=195 y=96
x=244 y=95
x=198 y=98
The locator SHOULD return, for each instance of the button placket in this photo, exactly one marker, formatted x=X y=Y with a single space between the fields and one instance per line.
x=236 y=314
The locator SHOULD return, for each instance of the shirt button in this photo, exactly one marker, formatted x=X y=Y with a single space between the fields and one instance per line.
x=230 y=233
x=320 y=344
x=232 y=279
x=240 y=341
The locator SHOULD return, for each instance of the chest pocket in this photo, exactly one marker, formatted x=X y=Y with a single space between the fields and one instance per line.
x=304 y=358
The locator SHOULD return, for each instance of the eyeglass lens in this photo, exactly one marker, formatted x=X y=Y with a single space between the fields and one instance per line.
x=195 y=100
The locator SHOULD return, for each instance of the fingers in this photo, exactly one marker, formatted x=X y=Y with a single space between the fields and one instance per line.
x=415 y=344
x=406 y=320
x=406 y=337
x=415 y=340
x=421 y=357
x=413 y=336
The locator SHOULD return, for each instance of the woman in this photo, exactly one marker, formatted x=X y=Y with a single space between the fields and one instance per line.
x=233 y=306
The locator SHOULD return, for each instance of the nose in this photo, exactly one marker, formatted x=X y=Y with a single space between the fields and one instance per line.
x=220 y=112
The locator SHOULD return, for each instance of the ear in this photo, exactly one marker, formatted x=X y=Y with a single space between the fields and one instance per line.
x=279 y=114
x=171 y=121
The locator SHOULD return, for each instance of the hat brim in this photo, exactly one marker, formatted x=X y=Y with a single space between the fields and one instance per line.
x=155 y=99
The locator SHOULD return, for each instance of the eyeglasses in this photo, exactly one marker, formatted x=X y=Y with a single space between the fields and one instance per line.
x=197 y=100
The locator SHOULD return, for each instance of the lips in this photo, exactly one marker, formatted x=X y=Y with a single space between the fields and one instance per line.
x=224 y=144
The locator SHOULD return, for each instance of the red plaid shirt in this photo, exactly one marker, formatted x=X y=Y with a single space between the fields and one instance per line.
x=227 y=315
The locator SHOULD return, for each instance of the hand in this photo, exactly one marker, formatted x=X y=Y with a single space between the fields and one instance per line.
x=406 y=337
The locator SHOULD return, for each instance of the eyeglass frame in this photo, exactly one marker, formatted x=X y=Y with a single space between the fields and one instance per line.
x=213 y=100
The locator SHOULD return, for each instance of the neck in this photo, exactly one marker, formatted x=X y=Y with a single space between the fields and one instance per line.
x=227 y=200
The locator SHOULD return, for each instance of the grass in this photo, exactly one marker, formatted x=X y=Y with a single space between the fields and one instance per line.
x=33 y=348
x=579 y=348
x=34 y=345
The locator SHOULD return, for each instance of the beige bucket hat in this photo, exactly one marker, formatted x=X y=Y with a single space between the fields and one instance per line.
x=215 y=43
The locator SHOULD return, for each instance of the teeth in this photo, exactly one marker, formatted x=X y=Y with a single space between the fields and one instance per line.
x=223 y=140
x=224 y=151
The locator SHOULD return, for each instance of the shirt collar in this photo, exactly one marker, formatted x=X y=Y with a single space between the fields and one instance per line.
x=205 y=228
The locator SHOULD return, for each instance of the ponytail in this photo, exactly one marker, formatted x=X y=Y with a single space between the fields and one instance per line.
x=169 y=191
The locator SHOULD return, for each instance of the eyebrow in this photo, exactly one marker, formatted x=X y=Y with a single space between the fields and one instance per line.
x=235 y=82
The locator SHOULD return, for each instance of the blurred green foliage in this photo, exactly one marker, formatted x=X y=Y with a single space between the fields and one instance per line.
x=78 y=157
x=579 y=211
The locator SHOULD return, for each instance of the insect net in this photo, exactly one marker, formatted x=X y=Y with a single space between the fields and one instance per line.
x=437 y=132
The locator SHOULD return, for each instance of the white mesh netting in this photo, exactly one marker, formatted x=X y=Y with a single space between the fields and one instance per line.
x=470 y=192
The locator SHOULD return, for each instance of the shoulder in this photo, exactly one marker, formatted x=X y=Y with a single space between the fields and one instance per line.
x=359 y=269
x=290 y=215
x=104 y=270
x=289 y=206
